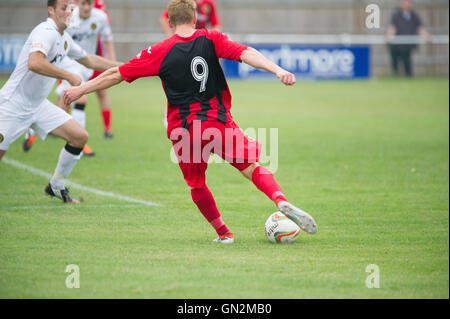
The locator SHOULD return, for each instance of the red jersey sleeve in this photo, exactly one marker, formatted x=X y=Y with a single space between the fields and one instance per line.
x=145 y=63
x=225 y=48
x=214 y=17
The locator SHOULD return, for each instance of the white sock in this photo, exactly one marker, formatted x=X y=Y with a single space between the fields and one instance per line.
x=79 y=116
x=66 y=163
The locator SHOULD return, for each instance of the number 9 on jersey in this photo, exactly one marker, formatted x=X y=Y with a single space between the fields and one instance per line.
x=200 y=76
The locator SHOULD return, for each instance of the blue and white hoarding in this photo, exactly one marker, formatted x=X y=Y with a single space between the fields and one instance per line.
x=10 y=47
x=309 y=62
x=305 y=61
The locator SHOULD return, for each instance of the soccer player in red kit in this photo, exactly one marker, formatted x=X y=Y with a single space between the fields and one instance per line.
x=199 y=102
x=207 y=17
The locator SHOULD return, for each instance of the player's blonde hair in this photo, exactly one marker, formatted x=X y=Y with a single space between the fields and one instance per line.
x=181 y=11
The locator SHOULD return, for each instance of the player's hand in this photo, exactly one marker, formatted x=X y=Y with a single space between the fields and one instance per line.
x=286 y=77
x=75 y=80
x=72 y=94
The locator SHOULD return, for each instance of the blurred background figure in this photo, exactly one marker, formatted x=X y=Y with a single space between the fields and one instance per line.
x=103 y=97
x=207 y=17
x=404 y=22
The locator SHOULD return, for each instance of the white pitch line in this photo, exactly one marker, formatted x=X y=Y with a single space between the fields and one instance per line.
x=77 y=186
x=71 y=206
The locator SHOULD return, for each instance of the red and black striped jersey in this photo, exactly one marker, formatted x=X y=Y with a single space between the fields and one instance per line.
x=191 y=75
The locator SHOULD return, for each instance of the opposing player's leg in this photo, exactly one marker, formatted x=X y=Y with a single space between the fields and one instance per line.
x=30 y=137
x=105 y=109
x=79 y=106
x=78 y=112
x=12 y=126
x=76 y=137
x=57 y=122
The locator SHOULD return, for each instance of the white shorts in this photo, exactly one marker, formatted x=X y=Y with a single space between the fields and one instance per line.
x=74 y=67
x=46 y=118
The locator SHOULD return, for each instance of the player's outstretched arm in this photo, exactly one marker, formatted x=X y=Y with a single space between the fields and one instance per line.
x=38 y=64
x=92 y=61
x=105 y=80
x=255 y=59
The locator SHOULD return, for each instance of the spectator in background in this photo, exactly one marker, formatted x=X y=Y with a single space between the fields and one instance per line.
x=207 y=17
x=404 y=21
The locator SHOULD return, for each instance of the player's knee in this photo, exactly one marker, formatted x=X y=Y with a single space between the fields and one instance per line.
x=84 y=137
x=80 y=138
x=248 y=172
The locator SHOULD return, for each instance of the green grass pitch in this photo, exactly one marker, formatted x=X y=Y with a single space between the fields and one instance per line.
x=369 y=160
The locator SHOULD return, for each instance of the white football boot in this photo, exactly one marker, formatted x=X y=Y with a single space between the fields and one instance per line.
x=301 y=218
x=227 y=238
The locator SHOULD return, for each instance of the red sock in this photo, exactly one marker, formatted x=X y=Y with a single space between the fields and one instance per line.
x=107 y=119
x=204 y=200
x=265 y=182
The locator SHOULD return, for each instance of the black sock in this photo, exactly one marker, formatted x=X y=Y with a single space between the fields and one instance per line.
x=80 y=106
x=73 y=150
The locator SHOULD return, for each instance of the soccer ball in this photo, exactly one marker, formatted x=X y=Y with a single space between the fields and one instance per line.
x=280 y=229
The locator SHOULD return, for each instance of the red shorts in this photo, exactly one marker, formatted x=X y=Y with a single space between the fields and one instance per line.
x=96 y=73
x=194 y=146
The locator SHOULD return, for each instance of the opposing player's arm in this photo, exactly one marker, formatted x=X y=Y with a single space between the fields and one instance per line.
x=255 y=59
x=105 y=80
x=92 y=61
x=38 y=64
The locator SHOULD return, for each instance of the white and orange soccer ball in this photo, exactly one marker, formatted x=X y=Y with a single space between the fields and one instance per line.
x=280 y=229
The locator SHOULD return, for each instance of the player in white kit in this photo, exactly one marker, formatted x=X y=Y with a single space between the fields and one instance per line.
x=91 y=23
x=23 y=99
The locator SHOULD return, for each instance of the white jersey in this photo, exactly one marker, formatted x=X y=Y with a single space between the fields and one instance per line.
x=27 y=88
x=86 y=34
